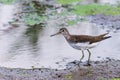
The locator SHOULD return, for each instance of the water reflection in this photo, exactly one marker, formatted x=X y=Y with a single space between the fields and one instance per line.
x=32 y=33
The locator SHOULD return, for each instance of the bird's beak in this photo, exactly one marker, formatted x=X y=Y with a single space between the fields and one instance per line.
x=55 y=34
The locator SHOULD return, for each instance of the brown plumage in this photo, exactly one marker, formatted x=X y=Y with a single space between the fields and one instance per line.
x=84 y=38
x=87 y=38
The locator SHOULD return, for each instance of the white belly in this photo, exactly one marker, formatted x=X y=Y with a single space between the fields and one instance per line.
x=83 y=46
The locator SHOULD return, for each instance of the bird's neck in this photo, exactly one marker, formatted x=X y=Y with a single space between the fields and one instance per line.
x=67 y=35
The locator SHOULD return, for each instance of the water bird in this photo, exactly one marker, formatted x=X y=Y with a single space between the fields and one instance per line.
x=82 y=42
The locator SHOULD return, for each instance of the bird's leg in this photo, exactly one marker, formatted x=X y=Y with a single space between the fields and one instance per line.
x=89 y=56
x=82 y=56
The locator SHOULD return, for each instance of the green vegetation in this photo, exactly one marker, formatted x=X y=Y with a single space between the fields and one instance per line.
x=8 y=1
x=71 y=22
x=33 y=18
x=116 y=79
x=92 y=9
x=110 y=79
x=35 y=13
x=65 y=2
x=68 y=77
x=79 y=9
x=36 y=10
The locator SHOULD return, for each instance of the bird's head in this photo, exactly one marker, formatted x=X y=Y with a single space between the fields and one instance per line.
x=62 y=31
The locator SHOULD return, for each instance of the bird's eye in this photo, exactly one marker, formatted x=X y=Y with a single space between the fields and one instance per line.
x=63 y=30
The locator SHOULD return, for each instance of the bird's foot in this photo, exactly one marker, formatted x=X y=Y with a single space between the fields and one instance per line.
x=88 y=64
x=78 y=66
x=79 y=63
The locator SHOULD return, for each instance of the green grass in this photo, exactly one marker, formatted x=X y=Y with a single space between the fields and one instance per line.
x=8 y=1
x=64 y=2
x=92 y=9
x=32 y=19
x=110 y=79
x=116 y=79
x=71 y=22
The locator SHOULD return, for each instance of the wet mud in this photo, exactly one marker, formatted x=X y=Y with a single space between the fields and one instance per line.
x=99 y=70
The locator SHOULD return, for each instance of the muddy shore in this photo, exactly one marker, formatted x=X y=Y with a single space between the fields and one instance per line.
x=100 y=70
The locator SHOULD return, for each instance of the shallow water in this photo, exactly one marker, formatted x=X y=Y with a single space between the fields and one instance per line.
x=53 y=52
x=23 y=48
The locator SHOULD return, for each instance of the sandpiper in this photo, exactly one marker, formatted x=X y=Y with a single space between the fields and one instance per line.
x=82 y=42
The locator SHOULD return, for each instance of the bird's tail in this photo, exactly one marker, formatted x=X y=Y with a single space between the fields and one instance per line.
x=103 y=36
